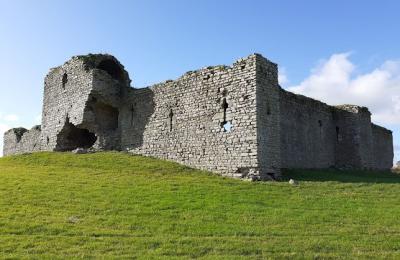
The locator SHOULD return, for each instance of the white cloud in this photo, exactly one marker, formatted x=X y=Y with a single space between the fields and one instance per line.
x=334 y=82
x=11 y=118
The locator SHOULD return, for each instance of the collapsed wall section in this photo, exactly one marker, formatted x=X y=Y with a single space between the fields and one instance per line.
x=206 y=119
x=66 y=90
x=82 y=99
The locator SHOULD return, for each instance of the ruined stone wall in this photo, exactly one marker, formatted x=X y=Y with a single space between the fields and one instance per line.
x=235 y=121
x=366 y=141
x=307 y=132
x=354 y=137
x=316 y=135
x=183 y=120
x=81 y=104
x=382 y=147
x=21 y=140
x=66 y=90
x=347 y=137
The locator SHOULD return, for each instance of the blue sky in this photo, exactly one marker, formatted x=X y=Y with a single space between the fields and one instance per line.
x=314 y=42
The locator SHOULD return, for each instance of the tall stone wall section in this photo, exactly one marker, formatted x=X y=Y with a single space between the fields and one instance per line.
x=268 y=118
x=183 y=120
x=347 y=137
x=382 y=147
x=353 y=137
x=307 y=132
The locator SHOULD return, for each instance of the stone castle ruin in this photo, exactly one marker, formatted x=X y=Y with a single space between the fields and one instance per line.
x=236 y=121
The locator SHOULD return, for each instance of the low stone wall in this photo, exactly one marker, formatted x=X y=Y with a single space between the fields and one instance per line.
x=21 y=140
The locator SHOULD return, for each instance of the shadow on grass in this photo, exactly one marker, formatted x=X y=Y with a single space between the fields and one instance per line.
x=348 y=176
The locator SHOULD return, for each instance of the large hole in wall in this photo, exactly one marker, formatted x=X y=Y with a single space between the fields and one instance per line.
x=106 y=116
x=19 y=132
x=112 y=68
x=72 y=137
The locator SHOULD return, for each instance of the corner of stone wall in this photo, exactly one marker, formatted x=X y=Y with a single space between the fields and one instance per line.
x=354 y=145
x=268 y=118
x=383 y=152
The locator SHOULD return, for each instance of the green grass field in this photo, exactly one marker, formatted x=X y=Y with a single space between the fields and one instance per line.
x=114 y=205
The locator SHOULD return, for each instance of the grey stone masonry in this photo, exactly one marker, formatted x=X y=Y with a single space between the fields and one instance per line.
x=236 y=121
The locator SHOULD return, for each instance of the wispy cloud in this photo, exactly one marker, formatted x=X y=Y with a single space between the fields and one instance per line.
x=334 y=82
x=11 y=118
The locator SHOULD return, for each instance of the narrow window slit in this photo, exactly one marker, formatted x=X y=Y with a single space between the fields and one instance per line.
x=64 y=80
x=320 y=128
x=132 y=110
x=225 y=107
x=171 y=115
x=337 y=134
x=225 y=124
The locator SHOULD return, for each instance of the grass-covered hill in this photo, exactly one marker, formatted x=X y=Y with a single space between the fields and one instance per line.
x=106 y=205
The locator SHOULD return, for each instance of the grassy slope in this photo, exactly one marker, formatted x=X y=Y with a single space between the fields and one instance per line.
x=113 y=204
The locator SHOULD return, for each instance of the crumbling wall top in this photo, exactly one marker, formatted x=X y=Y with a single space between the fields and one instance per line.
x=353 y=108
x=105 y=62
x=19 y=131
